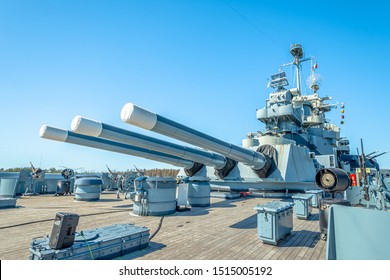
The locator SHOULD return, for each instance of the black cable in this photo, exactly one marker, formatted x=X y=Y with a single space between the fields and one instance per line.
x=49 y=220
x=158 y=228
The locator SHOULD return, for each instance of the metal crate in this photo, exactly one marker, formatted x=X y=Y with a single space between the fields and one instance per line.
x=317 y=195
x=302 y=205
x=274 y=221
x=103 y=243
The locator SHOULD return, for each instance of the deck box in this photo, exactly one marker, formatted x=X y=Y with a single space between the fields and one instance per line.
x=317 y=195
x=302 y=205
x=103 y=243
x=274 y=221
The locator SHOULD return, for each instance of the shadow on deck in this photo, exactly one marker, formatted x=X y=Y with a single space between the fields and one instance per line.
x=199 y=211
x=250 y=222
x=301 y=238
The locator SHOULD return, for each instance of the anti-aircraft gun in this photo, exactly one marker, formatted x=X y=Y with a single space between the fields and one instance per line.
x=37 y=173
x=64 y=185
x=124 y=181
x=368 y=185
x=358 y=181
x=115 y=179
x=35 y=184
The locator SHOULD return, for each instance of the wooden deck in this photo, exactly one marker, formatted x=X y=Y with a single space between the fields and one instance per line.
x=225 y=231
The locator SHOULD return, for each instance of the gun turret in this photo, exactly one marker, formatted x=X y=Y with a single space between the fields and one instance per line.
x=95 y=128
x=140 y=117
x=62 y=135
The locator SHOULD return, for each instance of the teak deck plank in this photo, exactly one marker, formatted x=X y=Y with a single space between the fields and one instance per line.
x=225 y=230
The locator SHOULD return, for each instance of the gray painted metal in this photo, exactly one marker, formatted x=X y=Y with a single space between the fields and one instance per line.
x=9 y=175
x=182 y=196
x=61 y=135
x=225 y=195
x=63 y=187
x=24 y=181
x=130 y=114
x=88 y=189
x=274 y=221
x=199 y=192
x=8 y=187
x=154 y=196
x=325 y=205
x=23 y=177
x=48 y=184
x=316 y=198
x=103 y=243
x=108 y=182
x=51 y=185
x=358 y=234
x=302 y=205
x=7 y=202
x=95 y=128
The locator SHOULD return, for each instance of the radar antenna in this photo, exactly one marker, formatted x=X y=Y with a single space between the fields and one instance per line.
x=315 y=80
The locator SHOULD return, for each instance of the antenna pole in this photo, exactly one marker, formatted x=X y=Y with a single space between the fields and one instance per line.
x=364 y=173
x=297 y=52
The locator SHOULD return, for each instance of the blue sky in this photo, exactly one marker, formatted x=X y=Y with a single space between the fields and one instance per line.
x=197 y=62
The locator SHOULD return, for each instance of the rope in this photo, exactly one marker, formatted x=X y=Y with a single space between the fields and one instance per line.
x=252 y=24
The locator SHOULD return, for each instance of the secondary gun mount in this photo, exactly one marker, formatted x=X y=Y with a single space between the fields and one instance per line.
x=132 y=114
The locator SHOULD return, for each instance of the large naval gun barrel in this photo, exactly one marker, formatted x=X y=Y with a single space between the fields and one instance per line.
x=95 y=128
x=140 y=117
x=62 y=135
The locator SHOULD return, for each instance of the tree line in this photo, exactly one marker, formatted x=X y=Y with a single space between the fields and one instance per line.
x=147 y=172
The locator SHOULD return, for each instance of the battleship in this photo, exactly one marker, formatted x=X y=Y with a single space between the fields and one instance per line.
x=299 y=153
x=297 y=142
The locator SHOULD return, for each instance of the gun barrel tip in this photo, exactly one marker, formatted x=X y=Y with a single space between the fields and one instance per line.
x=132 y=114
x=126 y=112
x=42 y=131
x=53 y=133
x=86 y=126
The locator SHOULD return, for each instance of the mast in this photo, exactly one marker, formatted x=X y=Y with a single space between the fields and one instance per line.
x=297 y=52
